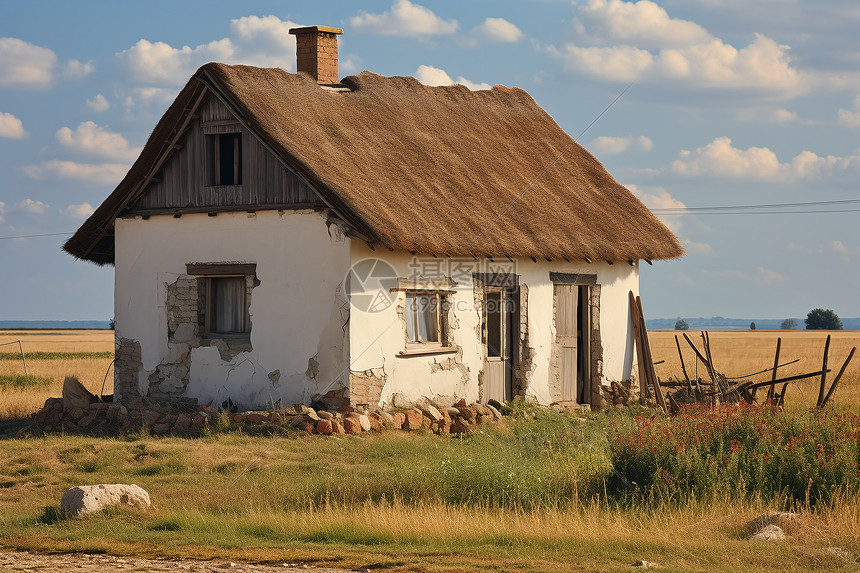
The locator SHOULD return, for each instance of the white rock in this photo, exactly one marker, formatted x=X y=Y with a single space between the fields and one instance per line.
x=85 y=499
x=364 y=421
x=430 y=411
x=768 y=533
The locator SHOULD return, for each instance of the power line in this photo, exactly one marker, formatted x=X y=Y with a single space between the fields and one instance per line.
x=31 y=236
x=769 y=208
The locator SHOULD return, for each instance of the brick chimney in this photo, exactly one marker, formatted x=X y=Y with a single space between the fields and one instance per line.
x=316 y=52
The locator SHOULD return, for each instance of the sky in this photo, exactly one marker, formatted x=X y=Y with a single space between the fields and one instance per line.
x=689 y=103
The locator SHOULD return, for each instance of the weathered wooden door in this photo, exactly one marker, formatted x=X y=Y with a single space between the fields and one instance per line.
x=566 y=335
x=499 y=318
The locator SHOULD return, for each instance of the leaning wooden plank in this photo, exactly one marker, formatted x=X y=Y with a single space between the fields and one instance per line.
x=820 y=402
x=838 y=377
x=681 y=358
x=749 y=386
x=699 y=356
x=646 y=346
x=637 y=342
x=772 y=388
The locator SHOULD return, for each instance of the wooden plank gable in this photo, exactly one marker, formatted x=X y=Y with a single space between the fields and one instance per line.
x=185 y=183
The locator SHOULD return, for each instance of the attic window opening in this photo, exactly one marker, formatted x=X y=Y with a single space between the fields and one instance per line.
x=224 y=159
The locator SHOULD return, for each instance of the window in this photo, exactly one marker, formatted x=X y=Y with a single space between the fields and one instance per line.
x=423 y=319
x=226 y=309
x=224 y=297
x=224 y=152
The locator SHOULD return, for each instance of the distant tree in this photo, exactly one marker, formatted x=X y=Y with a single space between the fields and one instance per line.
x=681 y=324
x=112 y=324
x=752 y=326
x=822 y=319
x=788 y=324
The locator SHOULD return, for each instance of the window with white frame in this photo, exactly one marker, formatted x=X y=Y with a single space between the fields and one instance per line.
x=424 y=318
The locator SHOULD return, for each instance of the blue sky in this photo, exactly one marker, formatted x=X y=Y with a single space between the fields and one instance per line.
x=723 y=103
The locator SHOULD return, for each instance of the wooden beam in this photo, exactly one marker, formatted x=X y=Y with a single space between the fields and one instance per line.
x=637 y=343
x=838 y=377
x=772 y=389
x=681 y=358
x=823 y=373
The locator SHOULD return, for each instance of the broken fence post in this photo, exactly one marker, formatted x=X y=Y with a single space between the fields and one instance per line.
x=21 y=348
x=820 y=402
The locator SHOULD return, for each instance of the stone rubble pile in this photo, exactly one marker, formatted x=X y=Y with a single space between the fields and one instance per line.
x=79 y=410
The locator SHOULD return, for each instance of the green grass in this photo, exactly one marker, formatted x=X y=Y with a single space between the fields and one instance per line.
x=41 y=355
x=528 y=495
x=20 y=381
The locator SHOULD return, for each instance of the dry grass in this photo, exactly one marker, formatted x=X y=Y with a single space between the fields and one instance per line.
x=206 y=505
x=741 y=353
x=21 y=402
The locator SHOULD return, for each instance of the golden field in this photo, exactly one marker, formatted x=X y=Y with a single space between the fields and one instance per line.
x=15 y=403
x=735 y=353
x=738 y=353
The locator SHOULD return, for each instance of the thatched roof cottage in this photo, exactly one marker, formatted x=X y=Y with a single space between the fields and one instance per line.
x=284 y=236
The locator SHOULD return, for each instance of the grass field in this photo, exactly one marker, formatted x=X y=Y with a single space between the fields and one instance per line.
x=744 y=352
x=51 y=356
x=405 y=502
x=531 y=495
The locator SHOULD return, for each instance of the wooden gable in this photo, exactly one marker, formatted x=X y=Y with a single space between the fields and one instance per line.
x=185 y=184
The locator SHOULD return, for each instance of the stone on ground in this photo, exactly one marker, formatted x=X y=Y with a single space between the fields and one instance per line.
x=768 y=533
x=86 y=499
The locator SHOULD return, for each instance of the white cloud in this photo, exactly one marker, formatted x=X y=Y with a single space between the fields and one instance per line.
x=609 y=145
x=261 y=41
x=498 y=30
x=24 y=65
x=841 y=248
x=768 y=276
x=720 y=159
x=693 y=247
x=638 y=41
x=81 y=211
x=86 y=172
x=76 y=70
x=30 y=206
x=11 y=126
x=98 y=103
x=2 y=211
x=431 y=76
x=769 y=115
x=92 y=139
x=404 y=19
x=349 y=64
x=642 y=23
x=851 y=117
x=659 y=198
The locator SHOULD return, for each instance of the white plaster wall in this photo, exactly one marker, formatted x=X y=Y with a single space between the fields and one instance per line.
x=376 y=338
x=616 y=330
x=297 y=311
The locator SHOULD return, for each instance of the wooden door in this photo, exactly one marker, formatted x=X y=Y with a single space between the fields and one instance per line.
x=499 y=314
x=566 y=335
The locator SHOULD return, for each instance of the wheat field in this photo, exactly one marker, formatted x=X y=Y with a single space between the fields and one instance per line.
x=738 y=353
x=20 y=403
x=735 y=353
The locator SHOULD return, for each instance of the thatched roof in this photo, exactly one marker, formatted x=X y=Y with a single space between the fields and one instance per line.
x=432 y=170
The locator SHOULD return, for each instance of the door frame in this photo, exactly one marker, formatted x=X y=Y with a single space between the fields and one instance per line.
x=508 y=287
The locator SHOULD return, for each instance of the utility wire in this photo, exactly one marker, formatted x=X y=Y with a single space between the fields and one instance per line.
x=762 y=209
x=39 y=235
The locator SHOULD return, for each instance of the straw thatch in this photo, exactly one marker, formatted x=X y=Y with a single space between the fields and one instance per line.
x=439 y=170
